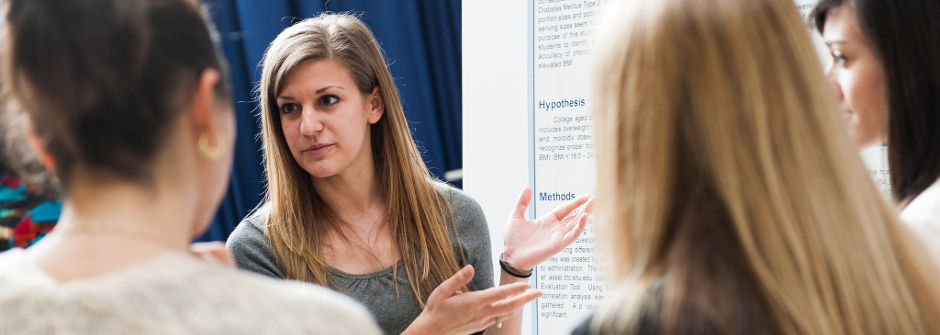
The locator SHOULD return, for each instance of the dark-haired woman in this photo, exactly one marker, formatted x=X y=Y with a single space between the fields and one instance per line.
x=127 y=101
x=886 y=69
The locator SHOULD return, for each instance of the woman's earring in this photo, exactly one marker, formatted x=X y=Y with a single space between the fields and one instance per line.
x=207 y=150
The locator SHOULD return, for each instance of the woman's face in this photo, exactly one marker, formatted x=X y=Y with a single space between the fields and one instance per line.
x=325 y=119
x=857 y=75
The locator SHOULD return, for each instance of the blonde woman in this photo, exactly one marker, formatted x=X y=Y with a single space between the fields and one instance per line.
x=735 y=202
x=350 y=204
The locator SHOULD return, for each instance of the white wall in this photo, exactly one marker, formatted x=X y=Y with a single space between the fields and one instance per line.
x=495 y=115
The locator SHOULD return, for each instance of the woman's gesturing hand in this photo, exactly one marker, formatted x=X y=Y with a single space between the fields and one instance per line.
x=449 y=311
x=528 y=243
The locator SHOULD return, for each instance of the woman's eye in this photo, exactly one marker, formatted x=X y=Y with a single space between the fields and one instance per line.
x=288 y=108
x=329 y=100
x=839 y=57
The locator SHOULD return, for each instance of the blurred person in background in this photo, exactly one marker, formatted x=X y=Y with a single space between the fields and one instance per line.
x=29 y=209
x=732 y=199
x=27 y=212
x=886 y=71
x=127 y=102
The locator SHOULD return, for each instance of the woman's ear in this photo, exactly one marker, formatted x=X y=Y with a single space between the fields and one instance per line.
x=36 y=143
x=377 y=106
x=200 y=105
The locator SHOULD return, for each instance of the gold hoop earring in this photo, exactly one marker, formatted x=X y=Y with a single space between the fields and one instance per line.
x=207 y=150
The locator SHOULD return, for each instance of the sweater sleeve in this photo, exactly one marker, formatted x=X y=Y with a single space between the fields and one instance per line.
x=251 y=248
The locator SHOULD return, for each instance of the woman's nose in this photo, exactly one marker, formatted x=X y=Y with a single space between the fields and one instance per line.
x=311 y=122
x=834 y=82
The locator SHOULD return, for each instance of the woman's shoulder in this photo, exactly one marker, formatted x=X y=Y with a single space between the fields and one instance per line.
x=463 y=206
x=470 y=234
x=257 y=217
x=252 y=226
x=227 y=298
x=925 y=208
x=251 y=248
x=17 y=271
x=466 y=213
x=922 y=215
x=173 y=293
x=316 y=307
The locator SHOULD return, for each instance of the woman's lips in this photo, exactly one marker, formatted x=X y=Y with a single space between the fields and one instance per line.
x=317 y=148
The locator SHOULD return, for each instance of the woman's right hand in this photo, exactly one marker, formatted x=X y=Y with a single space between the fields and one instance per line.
x=449 y=311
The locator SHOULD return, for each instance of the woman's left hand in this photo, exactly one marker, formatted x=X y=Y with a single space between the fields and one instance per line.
x=528 y=243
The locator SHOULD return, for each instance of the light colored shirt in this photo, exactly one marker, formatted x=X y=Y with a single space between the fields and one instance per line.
x=173 y=293
x=923 y=216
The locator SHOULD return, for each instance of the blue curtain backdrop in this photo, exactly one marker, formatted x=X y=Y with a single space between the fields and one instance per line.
x=421 y=39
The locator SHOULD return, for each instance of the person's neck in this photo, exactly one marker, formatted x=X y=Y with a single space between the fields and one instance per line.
x=104 y=227
x=362 y=244
x=351 y=194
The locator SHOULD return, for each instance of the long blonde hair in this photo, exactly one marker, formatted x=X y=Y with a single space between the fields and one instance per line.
x=298 y=218
x=731 y=187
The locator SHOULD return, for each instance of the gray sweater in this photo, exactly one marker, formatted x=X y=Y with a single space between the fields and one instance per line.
x=394 y=309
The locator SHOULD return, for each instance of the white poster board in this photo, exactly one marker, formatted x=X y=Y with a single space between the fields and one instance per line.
x=875 y=159
x=563 y=154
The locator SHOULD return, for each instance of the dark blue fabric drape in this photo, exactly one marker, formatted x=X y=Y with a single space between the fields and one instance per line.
x=421 y=39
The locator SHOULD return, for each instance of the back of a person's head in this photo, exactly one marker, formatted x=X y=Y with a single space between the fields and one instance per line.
x=728 y=177
x=905 y=36
x=103 y=81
